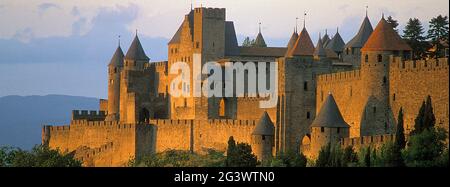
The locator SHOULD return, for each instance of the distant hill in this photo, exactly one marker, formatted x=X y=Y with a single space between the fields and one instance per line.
x=22 y=117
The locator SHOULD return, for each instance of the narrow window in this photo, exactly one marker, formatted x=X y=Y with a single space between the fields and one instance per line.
x=366 y=58
x=197 y=45
x=263 y=137
x=380 y=58
x=393 y=97
x=308 y=115
x=338 y=130
x=305 y=86
x=374 y=110
x=384 y=80
x=322 y=129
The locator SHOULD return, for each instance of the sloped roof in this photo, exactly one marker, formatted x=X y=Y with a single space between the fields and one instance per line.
x=320 y=51
x=291 y=42
x=336 y=44
x=259 y=41
x=231 y=43
x=329 y=115
x=303 y=46
x=265 y=126
x=384 y=38
x=363 y=34
x=176 y=38
x=117 y=59
x=136 y=52
x=325 y=39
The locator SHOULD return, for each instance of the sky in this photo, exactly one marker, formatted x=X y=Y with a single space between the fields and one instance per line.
x=63 y=47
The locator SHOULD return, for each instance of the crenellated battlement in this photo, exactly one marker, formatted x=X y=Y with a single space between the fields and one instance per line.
x=367 y=140
x=222 y=122
x=397 y=64
x=339 y=76
x=86 y=153
x=217 y=13
x=88 y=115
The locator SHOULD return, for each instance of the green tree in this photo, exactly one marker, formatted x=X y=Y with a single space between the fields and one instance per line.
x=425 y=149
x=413 y=34
x=248 y=42
x=367 y=159
x=399 y=142
x=240 y=155
x=39 y=156
x=438 y=31
x=393 y=23
x=425 y=119
x=288 y=159
x=350 y=158
x=323 y=160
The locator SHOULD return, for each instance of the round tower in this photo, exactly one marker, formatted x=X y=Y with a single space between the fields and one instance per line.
x=263 y=138
x=383 y=44
x=328 y=127
x=114 y=68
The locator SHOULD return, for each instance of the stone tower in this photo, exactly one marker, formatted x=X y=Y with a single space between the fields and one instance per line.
x=114 y=69
x=263 y=138
x=376 y=54
x=135 y=85
x=328 y=127
x=352 y=50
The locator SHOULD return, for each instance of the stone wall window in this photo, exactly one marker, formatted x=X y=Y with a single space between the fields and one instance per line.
x=263 y=137
x=366 y=58
x=374 y=110
x=308 y=115
x=393 y=97
x=384 y=80
x=338 y=130
x=197 y=45
x=305 y=86
x=380 y=58
x=322 y=129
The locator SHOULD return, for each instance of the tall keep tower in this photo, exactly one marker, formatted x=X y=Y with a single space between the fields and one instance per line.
x=114 y=69
x=376 y=54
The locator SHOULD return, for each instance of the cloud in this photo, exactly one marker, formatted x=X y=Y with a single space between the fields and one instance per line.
x=24 y=35
x=45 y=6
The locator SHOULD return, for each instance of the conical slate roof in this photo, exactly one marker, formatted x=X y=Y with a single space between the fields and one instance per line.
x=291 y=42
x=325 y=39
x=303 y=46
x=259 y=41
x=136 y=52
x=336 y=44
x=384 y=38
x=320 y=51
x=363 y=34
x=265 y=126
x=117 y=59
x=329 y=115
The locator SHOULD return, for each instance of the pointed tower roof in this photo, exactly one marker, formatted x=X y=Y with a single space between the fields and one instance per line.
x=291 y=42
x=136 y=52
x=265 y=126
x=117 y=59
x=363 y=34
x=303 y=46
x=329 y=115
x=325 y=39
x=336 y=44
x=384 y=38
x=320 y=51
x=259 y=41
